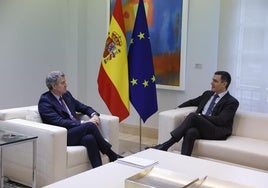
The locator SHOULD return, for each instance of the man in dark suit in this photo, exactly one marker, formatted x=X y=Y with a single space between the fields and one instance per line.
x=213 y=119
x=58 y=107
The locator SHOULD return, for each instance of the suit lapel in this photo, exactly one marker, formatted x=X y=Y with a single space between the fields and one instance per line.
x=204 y=101
x=57 y=104
x=69 y=103
x=223 y=99
x=220 y=103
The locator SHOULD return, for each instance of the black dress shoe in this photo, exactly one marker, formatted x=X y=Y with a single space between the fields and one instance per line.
x=114 y=158
x=119 y=156
x=159 y=147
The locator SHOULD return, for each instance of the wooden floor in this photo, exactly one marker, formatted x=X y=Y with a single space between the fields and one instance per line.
x=132 y=140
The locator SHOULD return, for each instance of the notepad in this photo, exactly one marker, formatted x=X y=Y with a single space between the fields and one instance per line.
x=137 y=161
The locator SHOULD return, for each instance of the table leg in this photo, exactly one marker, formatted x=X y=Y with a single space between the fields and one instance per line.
x=1 y=170
x=34 y=163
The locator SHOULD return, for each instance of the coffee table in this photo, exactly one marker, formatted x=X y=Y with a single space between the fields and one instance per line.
x=8 y=139
x=113 y=175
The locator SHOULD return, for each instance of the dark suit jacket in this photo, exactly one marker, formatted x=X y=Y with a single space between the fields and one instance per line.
x=222 y=114
x=53 y=113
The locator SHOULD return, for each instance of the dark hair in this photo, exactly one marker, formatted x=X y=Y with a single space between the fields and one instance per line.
x=225 y=77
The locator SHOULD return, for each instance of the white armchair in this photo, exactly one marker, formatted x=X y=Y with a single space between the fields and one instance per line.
x=247 y=146
x=55 y=160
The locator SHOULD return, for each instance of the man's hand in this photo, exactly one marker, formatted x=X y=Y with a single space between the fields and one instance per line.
x=94 y=119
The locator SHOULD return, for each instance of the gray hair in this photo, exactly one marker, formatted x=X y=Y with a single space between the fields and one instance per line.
x=52 y=78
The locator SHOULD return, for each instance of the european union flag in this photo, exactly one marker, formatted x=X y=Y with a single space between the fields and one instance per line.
x=141 y=70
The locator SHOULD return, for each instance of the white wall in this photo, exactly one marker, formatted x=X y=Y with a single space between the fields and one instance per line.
x=228 y=33
x=39 y=36
x=35 y=38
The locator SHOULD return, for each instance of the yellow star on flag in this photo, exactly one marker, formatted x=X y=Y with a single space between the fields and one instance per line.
x=134 y=81
x=153 y=79
x=141 y=35
x=145 y=83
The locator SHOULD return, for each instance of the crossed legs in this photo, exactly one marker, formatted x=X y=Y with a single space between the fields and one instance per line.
x=89 y=136
x=192 y=128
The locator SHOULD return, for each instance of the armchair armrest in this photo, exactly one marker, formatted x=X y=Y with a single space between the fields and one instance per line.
x=51 y=152
x=16 y=113
x=110 y=130
x=169 y=120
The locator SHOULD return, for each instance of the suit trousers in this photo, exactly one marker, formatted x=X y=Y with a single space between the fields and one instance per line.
x=88 y=135
x=196 y=127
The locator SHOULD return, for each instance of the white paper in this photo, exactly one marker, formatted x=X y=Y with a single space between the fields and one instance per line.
x=137 y=161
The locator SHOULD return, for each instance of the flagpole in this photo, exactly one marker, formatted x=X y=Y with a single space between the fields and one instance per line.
x=140 y=134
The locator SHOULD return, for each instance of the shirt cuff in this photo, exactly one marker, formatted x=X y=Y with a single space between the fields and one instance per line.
x=94 y=113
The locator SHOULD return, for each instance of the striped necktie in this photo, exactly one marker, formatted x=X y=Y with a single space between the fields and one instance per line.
x=63 y=104
x=211 y=105
x=66 y=109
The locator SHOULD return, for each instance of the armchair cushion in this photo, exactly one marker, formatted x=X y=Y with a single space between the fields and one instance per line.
x=33 y=115
x=76 y=156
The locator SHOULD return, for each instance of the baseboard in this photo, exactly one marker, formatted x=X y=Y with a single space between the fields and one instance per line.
x=135 y=130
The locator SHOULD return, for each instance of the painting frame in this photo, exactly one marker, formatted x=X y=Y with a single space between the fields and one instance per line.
x=179 y=62
x=183 y=51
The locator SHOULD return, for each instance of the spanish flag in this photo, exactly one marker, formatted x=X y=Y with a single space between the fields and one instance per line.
x=113 y=74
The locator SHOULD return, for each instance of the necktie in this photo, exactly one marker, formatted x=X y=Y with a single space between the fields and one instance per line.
x=63 y=104
x=211 y=105
x=66 y=109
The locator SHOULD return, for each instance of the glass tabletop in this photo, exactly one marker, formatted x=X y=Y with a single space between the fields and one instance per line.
x=9 y=137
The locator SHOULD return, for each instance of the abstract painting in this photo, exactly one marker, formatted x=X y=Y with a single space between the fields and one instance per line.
x=167 y=23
